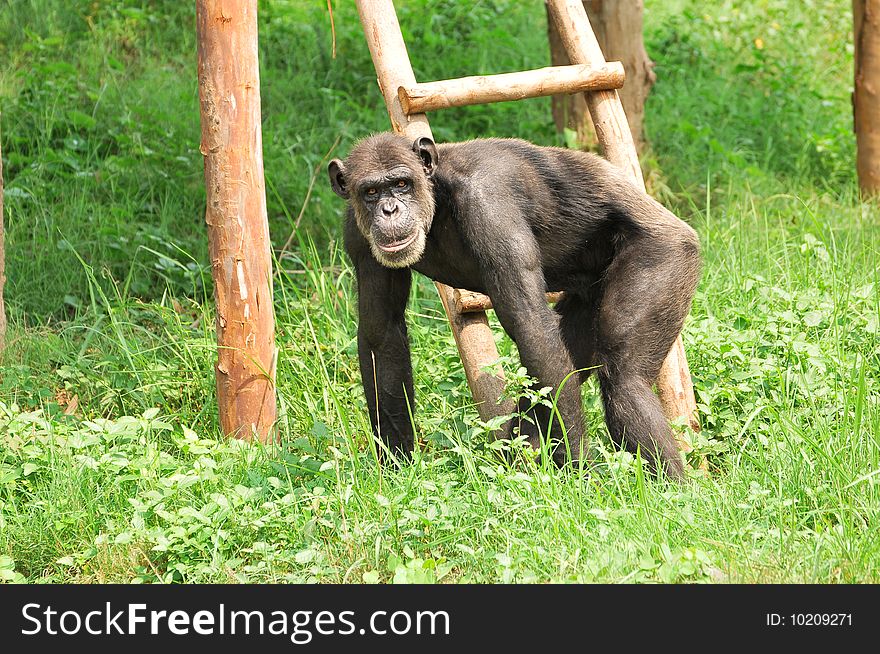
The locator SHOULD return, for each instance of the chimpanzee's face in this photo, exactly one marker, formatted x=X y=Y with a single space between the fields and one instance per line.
x=386 y=183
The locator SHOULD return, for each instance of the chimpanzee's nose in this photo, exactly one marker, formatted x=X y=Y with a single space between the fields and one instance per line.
x=389 y=207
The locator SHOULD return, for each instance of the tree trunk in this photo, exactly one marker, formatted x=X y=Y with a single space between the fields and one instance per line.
x=2 y=262
x=238 y=228
x=866 y=96
x=618 y=28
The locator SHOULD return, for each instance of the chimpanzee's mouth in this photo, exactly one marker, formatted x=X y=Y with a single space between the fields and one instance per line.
x=397 y=246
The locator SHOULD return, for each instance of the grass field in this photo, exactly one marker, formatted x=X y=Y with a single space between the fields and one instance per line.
x=111 y=463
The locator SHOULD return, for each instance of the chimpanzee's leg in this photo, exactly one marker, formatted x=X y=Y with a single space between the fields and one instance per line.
x=647 y=294
x=577 y=323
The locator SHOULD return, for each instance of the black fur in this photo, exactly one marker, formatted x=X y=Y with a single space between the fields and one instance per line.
x=513 y=220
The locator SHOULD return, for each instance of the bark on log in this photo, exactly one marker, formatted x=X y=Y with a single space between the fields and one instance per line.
x=2 y=262
x=484 y=89
x=476 y=344
x=238 y=228
x=674 y=381
x=617 y=25
x=866 y=94
x=471 y=302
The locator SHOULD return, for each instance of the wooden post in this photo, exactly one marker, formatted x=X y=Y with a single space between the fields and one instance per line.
x=866 y=95
x=476 y=345
x=238 y=227
x=2 y=262
x=617 y=25
x=674 y=381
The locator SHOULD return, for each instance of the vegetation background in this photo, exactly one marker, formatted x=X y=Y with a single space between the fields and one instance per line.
x=111 y=464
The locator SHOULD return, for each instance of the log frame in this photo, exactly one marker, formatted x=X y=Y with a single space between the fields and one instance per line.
x=472 y=302
x=617 y=25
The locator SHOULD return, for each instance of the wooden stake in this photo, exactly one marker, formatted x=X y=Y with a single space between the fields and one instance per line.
x=238 y=227
x=674 y=381
x=2 y=262
x=866 y=95
x=484 y=89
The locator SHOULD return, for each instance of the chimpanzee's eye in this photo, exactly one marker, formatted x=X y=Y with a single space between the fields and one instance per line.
x=401 y=183
x=371 y=192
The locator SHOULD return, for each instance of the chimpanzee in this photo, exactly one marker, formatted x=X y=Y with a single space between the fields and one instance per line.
x=513 y=220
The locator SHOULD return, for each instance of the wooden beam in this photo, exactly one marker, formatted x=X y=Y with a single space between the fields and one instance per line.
x=484 y=89
x=470 y=302
x=570 y=18
x=238 y=227
x=476 y=344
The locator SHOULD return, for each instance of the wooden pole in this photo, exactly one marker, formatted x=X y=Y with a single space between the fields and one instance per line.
x=2 y=262
x=238 y=227
x=484 y=89
x=674 y=381
x=476 y=345
x=866 y=94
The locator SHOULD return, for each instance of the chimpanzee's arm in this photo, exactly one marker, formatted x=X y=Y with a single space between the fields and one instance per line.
x=383 y=348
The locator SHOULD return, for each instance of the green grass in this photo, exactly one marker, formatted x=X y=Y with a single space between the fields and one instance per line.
x=109 y=299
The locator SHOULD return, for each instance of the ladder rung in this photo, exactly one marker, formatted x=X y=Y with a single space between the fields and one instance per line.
x=483 y=89
x=470 y=302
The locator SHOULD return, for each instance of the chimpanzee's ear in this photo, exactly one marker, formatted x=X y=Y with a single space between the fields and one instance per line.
x=336 y=169
x=427 y=151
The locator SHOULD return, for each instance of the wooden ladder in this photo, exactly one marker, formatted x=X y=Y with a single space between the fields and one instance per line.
x=407 y=101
